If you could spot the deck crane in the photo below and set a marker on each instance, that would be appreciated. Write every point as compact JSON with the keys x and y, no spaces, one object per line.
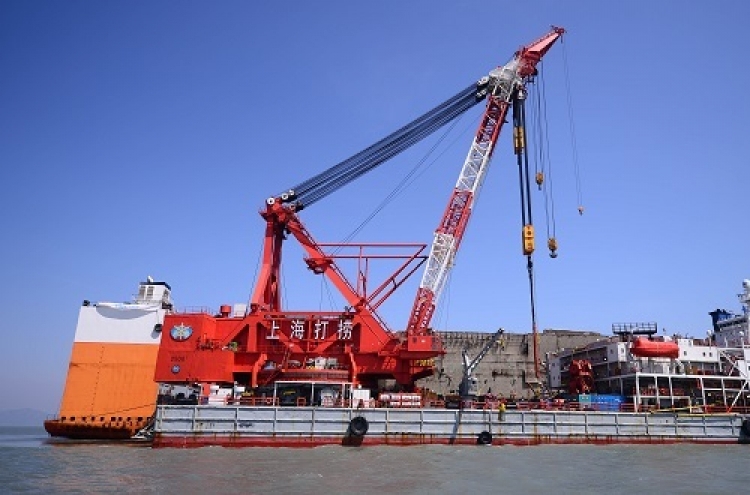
{"x":469,"y":387}
{"x":269,"y":343}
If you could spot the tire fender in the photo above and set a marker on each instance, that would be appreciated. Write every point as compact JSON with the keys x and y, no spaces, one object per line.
{"x":484,"y":438}
{"x":358,"y":426}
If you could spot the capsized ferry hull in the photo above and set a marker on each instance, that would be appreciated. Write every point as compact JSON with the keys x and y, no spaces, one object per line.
{"x":110,"y":393}
{"x":64,"y":429}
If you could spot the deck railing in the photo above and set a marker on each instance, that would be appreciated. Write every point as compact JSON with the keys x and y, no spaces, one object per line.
{"x":543,"y":405}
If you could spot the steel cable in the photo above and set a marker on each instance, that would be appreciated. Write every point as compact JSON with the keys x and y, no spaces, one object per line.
{"x":324,"y":176}
{"x":383,"y":154}
{"x":365,"y":161}
{"x":353,"y":167}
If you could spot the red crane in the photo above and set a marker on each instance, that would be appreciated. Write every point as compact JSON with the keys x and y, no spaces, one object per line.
{"x":268,"y":342}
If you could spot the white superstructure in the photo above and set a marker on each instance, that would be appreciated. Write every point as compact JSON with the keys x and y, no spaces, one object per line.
{"x":711,"y":373}
{"x":137,"y":322}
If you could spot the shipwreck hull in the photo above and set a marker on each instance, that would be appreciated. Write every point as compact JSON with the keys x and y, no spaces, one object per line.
{"x":79,"y":431}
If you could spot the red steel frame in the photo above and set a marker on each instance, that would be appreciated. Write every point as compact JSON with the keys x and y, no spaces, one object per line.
{"x":356,"y":339}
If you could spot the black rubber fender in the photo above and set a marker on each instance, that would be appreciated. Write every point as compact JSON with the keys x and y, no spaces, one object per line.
{"x":745,"y":428}
{"x":484,"y":438}
{"x":358,"y":426}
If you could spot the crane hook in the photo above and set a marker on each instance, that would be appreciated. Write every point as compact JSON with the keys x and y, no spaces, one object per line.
{"x":580,"y":210}
{"x":552,"y":245}
{"x":539,"y":179}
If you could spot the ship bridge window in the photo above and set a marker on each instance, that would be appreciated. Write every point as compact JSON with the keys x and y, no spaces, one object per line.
{"x":150,"y":292}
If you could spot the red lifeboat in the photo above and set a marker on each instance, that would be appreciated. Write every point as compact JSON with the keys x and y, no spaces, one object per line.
{"x":642,"y":347}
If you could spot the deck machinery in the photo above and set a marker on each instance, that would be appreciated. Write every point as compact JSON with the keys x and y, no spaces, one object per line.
{"x":264,"y":342}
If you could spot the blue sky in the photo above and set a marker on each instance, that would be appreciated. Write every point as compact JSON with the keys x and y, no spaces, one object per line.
{"x":141,"y":138}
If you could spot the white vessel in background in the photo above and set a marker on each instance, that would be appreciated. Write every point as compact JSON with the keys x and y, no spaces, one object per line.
{"x":650,"y":372}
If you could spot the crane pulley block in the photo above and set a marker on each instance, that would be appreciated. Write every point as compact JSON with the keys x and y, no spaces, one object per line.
{"x":528,"y":239}
{"x":519,"y":139}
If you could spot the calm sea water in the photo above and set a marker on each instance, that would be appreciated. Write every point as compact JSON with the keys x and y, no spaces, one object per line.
{"x":31,"y":464}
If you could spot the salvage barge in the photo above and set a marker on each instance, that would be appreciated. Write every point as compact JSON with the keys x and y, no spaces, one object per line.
{"x":622,"y":389}
{"x":701,"y":396}
{"x":259,"y":373}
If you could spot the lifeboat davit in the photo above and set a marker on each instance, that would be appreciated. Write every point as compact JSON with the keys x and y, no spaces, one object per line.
{"x":642,"y":347}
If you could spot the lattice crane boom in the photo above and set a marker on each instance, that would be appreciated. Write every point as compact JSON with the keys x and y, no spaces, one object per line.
{"x":502,"y":84}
